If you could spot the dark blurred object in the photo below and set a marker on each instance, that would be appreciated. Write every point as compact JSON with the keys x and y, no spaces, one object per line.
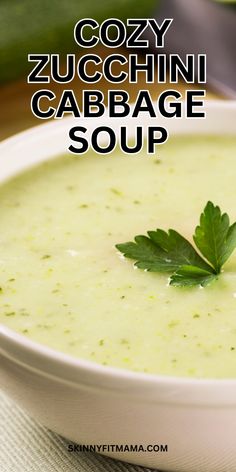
{"x":46,"y":26}
{"x":204,"y":27}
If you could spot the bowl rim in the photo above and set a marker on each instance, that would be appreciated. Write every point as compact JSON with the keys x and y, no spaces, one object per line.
{"x":50,"y":362}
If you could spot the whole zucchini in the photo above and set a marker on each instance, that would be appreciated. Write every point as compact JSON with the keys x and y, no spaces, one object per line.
{"x":46,"y":26}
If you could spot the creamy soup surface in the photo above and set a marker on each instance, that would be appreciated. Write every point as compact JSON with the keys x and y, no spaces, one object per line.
{"x":64,"y":284}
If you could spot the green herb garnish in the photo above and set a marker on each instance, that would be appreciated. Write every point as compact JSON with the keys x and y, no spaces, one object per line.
{"x":170,"y":252}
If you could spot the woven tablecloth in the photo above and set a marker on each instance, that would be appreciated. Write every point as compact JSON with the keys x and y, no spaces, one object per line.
{"x":26,"y":446}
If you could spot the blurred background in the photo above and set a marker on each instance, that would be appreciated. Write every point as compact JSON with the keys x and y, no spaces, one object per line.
{"x":46,"y":26}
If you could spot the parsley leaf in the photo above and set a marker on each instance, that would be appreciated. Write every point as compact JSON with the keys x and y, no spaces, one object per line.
{"x":169,"y":252}
{"x":188,"y":276}
{"x":214,"y":237}
{"x":162,"y":252}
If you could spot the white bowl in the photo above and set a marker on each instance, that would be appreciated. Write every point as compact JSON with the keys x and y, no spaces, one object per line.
{"x":92,"y":404}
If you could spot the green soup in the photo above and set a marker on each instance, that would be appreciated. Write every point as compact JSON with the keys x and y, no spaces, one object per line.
{"x":64,"y":284}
